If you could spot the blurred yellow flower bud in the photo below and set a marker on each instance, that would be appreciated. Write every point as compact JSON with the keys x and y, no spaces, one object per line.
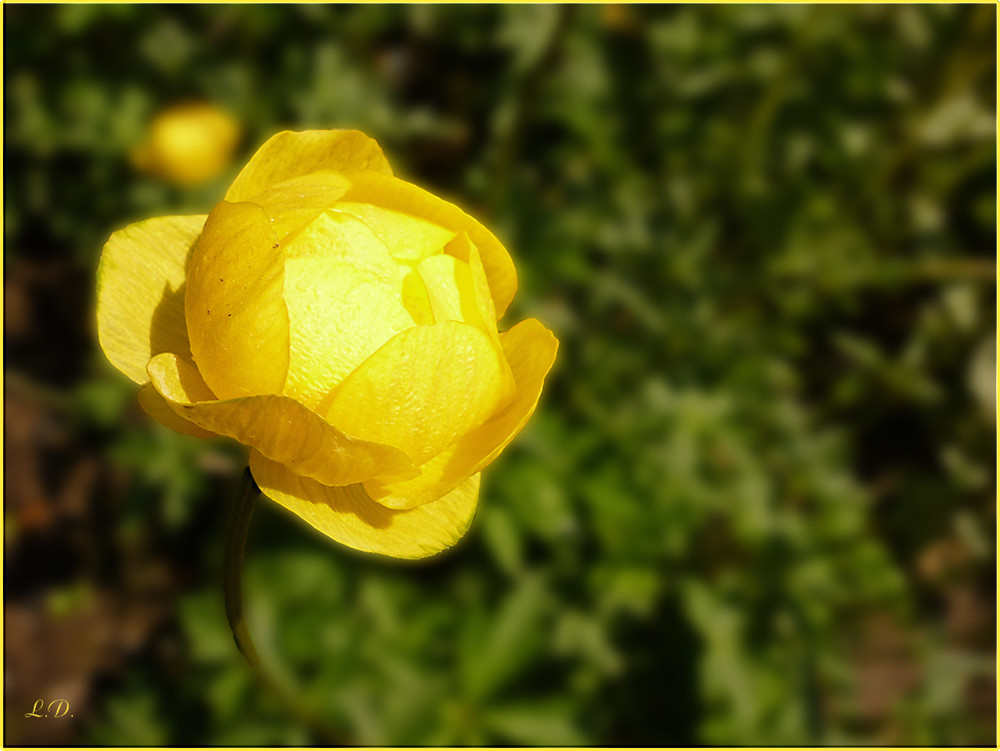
{"x":188,"y":144}
{"x":340,"y":322}
{"x":617,"y":17}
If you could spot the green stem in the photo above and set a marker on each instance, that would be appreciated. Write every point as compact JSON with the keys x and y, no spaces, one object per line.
{"x":236,"y":543}
{"x":232,"y":571}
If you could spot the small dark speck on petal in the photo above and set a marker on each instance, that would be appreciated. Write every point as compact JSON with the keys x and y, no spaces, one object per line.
{"x":209,"y":312}
{"x":275,"y":245}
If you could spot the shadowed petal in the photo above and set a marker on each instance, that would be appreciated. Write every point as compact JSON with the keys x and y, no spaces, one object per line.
{"x":279,"y":427}
{"x":154,"y":405}
{"x":347,"y":515}
{"x":140,"y":291}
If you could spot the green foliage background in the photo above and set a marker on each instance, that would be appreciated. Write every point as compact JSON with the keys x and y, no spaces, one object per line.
{"x":757,"y":504}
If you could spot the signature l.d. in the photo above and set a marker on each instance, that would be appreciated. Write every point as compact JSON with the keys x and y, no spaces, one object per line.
{"x":56,"y":708}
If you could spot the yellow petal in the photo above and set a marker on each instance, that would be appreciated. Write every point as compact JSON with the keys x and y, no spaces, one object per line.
{"x":140,"y":291}
{"x":450,"y":290}
{"x":235,"y":310}
{"x":289,"y":154}
{"x":343,"y":295}
{"x":454,"y":295}
{"x":346,"y":240}
{"x":422,"y":390}
{"x":415,"y":299}
{"x":156,"y":407}
{"x":279,"y":427}
{"x":407,"y":237}
{"x":530,"y":349}
{"x":463,"y":249}
{"x":391,"y":193}
{"x":348,"y":516}
{"x":294,"y":203}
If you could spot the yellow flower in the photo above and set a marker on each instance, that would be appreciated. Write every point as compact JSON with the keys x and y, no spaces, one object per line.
{"x":188,"y":144}
{"x":342,"y":324}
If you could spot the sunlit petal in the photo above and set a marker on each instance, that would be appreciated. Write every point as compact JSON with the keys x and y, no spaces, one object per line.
{"x":530,"y":349}
{"x":425,"y":388}
{"x":289,"y":154}
{"x":234,"y":306}
{"x":391,"y":193}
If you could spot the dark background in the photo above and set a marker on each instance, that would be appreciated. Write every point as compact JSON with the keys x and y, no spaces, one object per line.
{"x":757,"y":503}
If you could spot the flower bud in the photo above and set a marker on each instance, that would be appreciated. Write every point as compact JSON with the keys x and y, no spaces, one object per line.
{"x":188,"y":144}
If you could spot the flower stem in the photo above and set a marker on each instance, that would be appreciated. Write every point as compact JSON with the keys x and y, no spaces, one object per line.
{"x":232,"y":566}
{"x":236,"y":543}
